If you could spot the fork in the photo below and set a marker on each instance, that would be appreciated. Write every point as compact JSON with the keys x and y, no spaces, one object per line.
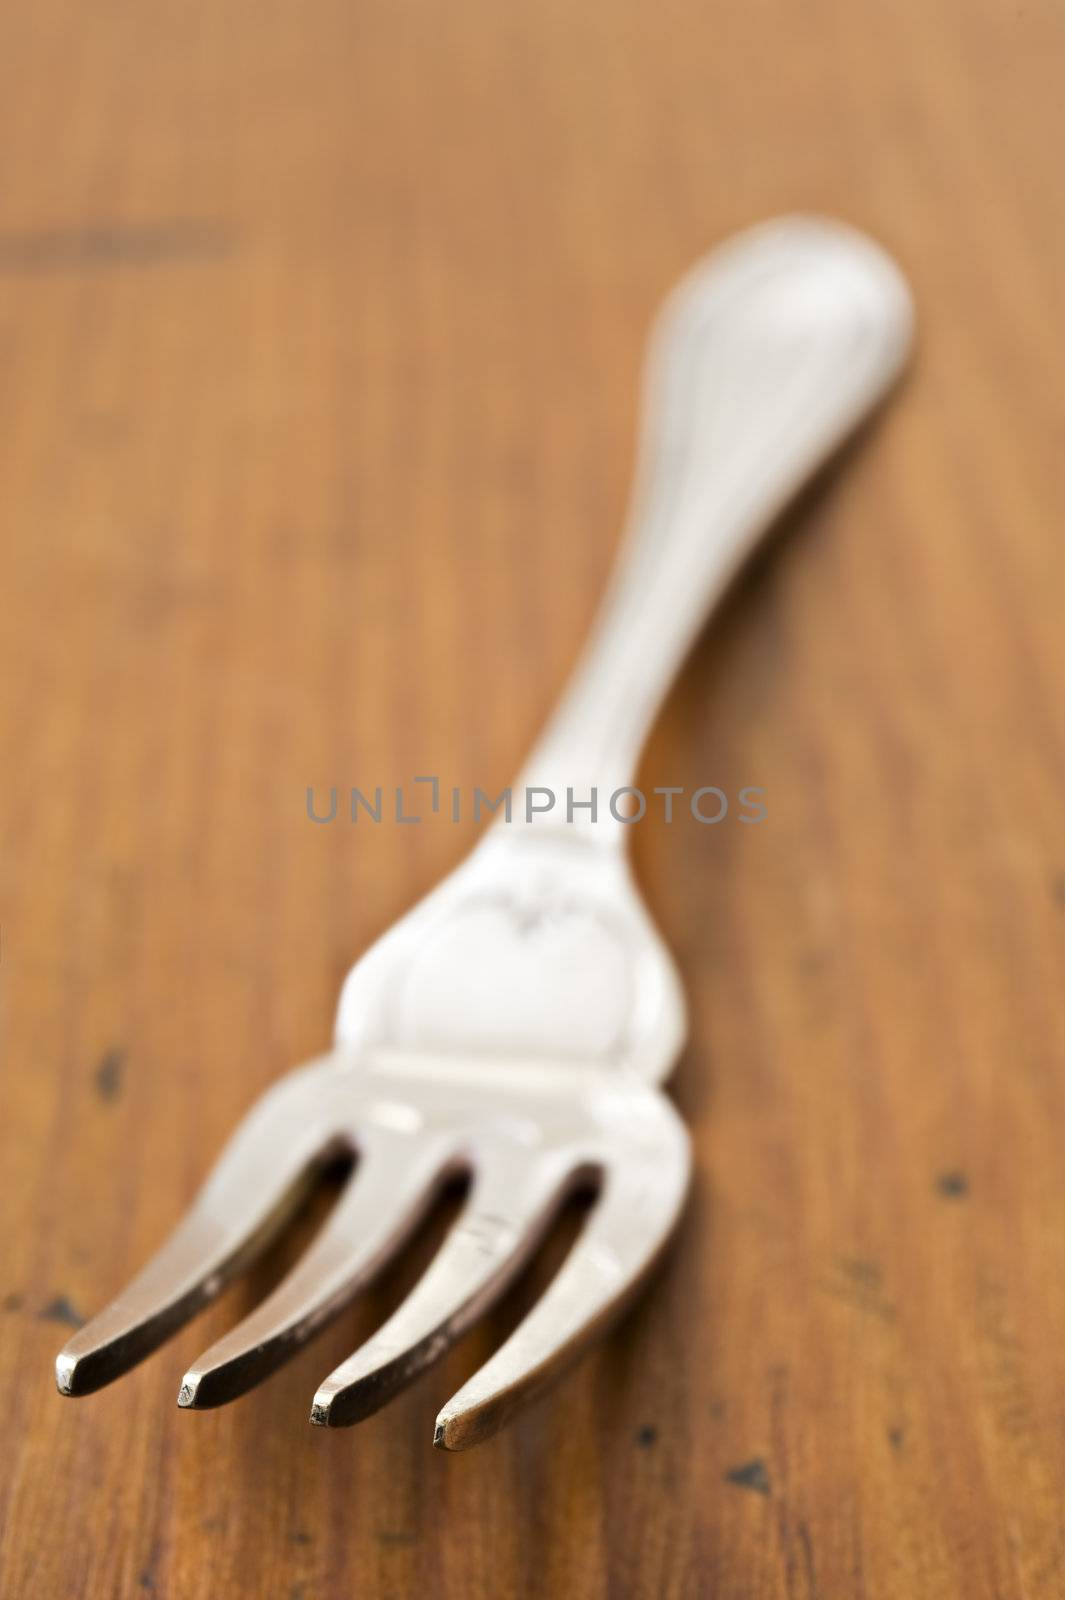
{"x":515,"y":1026}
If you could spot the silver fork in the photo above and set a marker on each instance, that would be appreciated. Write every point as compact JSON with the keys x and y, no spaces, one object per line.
{"x":516,"y":1024}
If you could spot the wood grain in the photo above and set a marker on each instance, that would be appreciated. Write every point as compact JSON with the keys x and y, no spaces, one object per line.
{"x":320,"y":329}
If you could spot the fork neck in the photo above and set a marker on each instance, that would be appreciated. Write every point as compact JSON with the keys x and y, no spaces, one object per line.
{"x":765,"y":360}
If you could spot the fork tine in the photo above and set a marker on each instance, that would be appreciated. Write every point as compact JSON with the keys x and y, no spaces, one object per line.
{"x":509,"y":1209}
{"x":627,"y":1229}
{"x":258,"y":1181}
{"x":384,"y":1200}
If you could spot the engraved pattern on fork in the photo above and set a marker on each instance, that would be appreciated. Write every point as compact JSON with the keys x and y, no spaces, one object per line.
{"x":515,"y":1025}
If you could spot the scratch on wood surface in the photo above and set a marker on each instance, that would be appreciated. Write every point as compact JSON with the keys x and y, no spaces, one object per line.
{"x":110,"y":1073}
{"x":99,"y":246}
{"x":857,"y":1283}
{"x":61,"y":1309}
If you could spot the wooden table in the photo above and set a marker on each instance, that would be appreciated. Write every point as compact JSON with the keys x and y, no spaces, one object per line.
{"x":320,"y":329}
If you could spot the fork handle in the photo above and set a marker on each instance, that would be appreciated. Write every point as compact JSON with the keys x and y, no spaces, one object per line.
{"x":764,"y":360}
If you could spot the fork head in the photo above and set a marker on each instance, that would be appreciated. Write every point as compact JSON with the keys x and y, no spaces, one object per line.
{"x":511,"y":1027}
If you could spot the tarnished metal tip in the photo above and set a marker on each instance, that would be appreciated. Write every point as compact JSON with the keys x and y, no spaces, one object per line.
{"x":65,"y":1368}
{"x":82,"y":1366}
{"x":342,"y":1404}
{"x":188,"y":1393}
{"x":455,"y":1430}
{"x":203,"y":1388}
